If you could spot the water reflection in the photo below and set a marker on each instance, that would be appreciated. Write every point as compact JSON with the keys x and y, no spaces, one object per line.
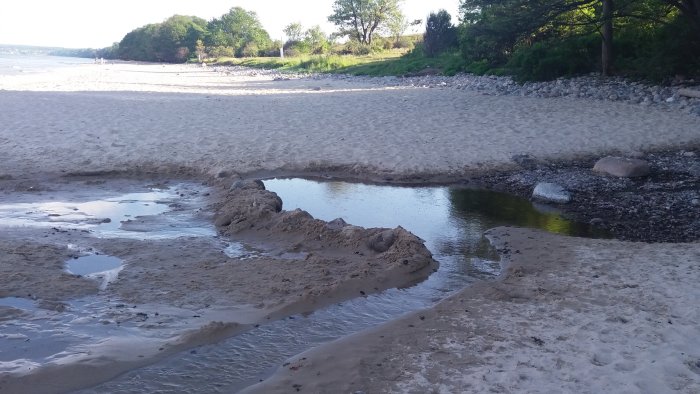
{"x":479,"y":206}
{"x":450,"y":220}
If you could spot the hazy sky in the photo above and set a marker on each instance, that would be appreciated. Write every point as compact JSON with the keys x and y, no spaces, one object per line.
{"x":97,"y":23}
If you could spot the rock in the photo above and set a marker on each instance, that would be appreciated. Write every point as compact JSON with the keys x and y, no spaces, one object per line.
{"x":336,"y":224}
{"x":596,"y":222}
{"x":689,"y":93}
{"x":551,"y":192}
{"x":242,"y":184}
{"x":694,"y":110}
{"x":689,"y":154}
{"x":695,"y":202}
{"x":525,"y":161}
{"x":382,"y":241}
{"x":622,"y":167}
{"x":694,"y":170}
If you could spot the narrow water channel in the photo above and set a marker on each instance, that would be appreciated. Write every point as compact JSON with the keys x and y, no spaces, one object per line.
{"x":450,"y":220}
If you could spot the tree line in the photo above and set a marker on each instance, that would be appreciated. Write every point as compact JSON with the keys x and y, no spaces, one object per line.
{"x":179,"y":38}
{"x":530,"y":39}
{"x":545,"y":39}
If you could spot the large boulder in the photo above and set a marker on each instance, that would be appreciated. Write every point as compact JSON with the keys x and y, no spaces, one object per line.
{"x":551,"y":192}
{"x":622,"y":167}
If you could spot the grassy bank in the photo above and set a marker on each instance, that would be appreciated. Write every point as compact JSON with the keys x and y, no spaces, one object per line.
{"x":382,"y":64}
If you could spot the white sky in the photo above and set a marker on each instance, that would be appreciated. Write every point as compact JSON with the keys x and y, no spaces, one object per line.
{"x":98,"y":23}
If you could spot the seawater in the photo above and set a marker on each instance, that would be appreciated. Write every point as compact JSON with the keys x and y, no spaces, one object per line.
{"x":15,"y":64}
{"x":451,"y":220}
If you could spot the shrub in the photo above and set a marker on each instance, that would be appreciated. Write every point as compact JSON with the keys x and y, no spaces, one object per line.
{"x":250,"y":49}
{"x":658,"y":53}
{"x":220,"y":51}
{"x":549,"y":60}
{"x":440,"y":35}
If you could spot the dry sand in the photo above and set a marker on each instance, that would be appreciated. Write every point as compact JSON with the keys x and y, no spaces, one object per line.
{"x":175,"y":118}
{"x":577,"y":315}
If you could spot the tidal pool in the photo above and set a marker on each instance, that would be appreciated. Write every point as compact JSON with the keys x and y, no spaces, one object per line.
{"x":451,"y":220}
{"x":155,"y":213}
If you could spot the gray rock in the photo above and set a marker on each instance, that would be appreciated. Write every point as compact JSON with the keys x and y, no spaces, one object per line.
{"x":622,"y":167}
{"x":551,"y":192}
{"x":695,"y":202}
{"x":248,"y":184}
{"x":382,"y":241}
{"x":694,"y":169}
{"x":597,"y":222}
{"x":336,"y":224}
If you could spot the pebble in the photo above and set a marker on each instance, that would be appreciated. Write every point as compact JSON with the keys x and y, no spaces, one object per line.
{"x":551,"y":192}
{"x":591,"y":86}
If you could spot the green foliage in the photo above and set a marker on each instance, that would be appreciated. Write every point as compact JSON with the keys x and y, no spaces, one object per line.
{"x":238,"y":29}
{"x":440,"y":35}
{"x":658,"y":54}
{"x":179,"y":37}
{"x":359,"y":19}
{"x":545,"y":39}
{"x":549,"y":60}
{"x":170,"y":41}
{"x":385,"y":63}
{"x":294,"y":31}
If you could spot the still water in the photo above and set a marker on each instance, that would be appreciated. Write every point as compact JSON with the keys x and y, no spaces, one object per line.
{"x":450,"y":220}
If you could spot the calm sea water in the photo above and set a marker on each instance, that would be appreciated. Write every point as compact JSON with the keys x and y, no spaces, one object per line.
{"x":15,"y":64}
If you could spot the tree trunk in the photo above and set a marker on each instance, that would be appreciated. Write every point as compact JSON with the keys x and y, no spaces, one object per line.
{"x":607,"y":45}
{"x":607,"y":54}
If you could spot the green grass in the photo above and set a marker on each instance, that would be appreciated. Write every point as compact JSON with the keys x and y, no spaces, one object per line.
{"x":381,"y":64}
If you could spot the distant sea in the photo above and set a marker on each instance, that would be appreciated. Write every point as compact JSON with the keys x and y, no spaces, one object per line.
{"x":14,"y":64}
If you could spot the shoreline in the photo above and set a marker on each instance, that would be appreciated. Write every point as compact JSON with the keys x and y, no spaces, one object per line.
{"x":169,"y":122}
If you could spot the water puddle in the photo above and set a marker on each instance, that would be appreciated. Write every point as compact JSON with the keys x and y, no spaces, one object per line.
{"x":93,"y":264}
{"x":32,"y":333}
{"x":450,"y":220}
{"x":18,"y":303}
{"x":157,"y":213}
{"x":97,"y":266}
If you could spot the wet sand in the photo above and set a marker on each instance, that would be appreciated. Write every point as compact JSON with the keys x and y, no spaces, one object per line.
{"x":173,"y":121}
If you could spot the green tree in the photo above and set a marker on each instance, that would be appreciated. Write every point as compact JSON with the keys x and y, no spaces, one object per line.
{"x":316,"y":39}
{"x":440,"y":34}
{"x":360,"y":19}
{"x":238,"y":29}
{"x":170,"y":41}
{"x":177,"y":37}
{"x":294,"y":31}
{"x":138,"y":44}
{"x":551,"y":37}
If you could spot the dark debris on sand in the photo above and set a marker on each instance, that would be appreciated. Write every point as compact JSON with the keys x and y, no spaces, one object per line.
{"x":661,"y":207}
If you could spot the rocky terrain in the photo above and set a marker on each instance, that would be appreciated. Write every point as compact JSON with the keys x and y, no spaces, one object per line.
{"x":663,"y":206}
{"x":592,"y":86}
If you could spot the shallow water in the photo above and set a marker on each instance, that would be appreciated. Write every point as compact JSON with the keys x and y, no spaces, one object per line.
{"x":450,"y":220}
{"x":50,"y":332}
{"x":150,"y":214}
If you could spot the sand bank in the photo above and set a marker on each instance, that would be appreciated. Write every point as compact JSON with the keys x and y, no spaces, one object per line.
{"x":564,"y":298}
{"x":175,"y":294}
{"x":567,"y":315}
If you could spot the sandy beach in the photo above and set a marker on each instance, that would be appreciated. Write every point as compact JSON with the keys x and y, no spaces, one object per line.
{"x":566,"y":314}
